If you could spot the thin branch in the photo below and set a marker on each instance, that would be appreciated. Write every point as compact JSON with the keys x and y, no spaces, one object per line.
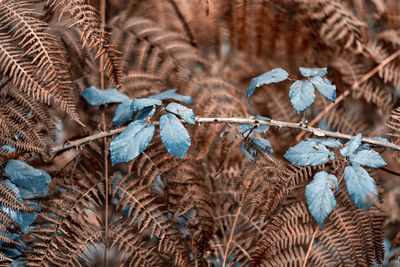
{"x":310,"y":247}
{"x":348,"y":91}
{"x":281,"y":124}
{"x":231,"y":235}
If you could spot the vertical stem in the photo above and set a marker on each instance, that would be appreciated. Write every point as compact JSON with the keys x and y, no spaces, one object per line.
{"x":103,"y":22}
{"x":231,"y":235}
{"x":310,"y":247}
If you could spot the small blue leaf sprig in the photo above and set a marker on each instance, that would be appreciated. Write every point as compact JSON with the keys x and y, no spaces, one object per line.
{"x":311,"y":152}
{"x":317,"y":151}
{"x":302,"y":93}
{"x":360,"y":185}
{"x":140,"y":132}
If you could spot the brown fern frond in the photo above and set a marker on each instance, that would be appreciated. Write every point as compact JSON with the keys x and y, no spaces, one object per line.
{"x":142,"y":84}
{"x":16,"y":135}
{"x":376,"y":95}
{"x":341,"y":242}
{"x":65,"y":223}
{"x":394,"y":124}
{"x":10,"y":202}
{"x":396,"y":241}
{"x":133,"y":251}
{"x":92,"y":36}
{"x":146,"y":213}
{"x":36,"y":67}
{"x":172,"y":45}
{"x":38,"y":111}
{"x":337,"y":23}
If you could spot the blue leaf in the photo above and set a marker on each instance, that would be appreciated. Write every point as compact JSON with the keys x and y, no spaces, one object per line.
{"x":325,"y":87}
{"x":369,"y":158}
{"x":273,"y":76}
{"x":308,"y":72}
{"x":131,"y":142}
{"x":182,"y":111}
{"x":262,"y":143}
{"x":249,"y":155}
{"x":96,"y":97}
{"x":309,"y":153}
{"x":330,"y":142}
{"x":319,"y":196}
{"x":301,"y":95}
{"x":146,"y":112}
{"x":141,"y":103}
{"x":361,"y":186}
{"x":174,"y":135}
{"x":123,"y":113}
{"x":170,"y":94}
{"x":30,"y":181}
{"x":351,"y":146}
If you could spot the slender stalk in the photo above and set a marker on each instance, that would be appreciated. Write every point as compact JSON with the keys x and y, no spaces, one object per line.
{"x":101,"y":67}
{"x":231,"y":235}
{"x":348,"y":91}
{"x":310,"y":247}
{"x":273,"y":123}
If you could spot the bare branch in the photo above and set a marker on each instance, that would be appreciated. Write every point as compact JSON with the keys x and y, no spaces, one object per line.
{"x":282,"y":124}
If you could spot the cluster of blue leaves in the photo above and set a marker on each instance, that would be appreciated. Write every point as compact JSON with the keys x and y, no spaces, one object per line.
{"x":27,"y":183}
{"x":313,"y":152}
{"x":360,"y":185}
{"x":139,"y":133}
{"x":302,"y":93}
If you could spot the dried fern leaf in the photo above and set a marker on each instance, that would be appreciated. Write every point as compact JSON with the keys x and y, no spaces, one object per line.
{"x":85,"y":15}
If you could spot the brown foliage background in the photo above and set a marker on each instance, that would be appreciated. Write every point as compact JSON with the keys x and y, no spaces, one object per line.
{"x":212,"y":208}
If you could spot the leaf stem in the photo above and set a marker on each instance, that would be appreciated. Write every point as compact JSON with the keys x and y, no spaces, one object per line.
{"x":273,"y":123}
